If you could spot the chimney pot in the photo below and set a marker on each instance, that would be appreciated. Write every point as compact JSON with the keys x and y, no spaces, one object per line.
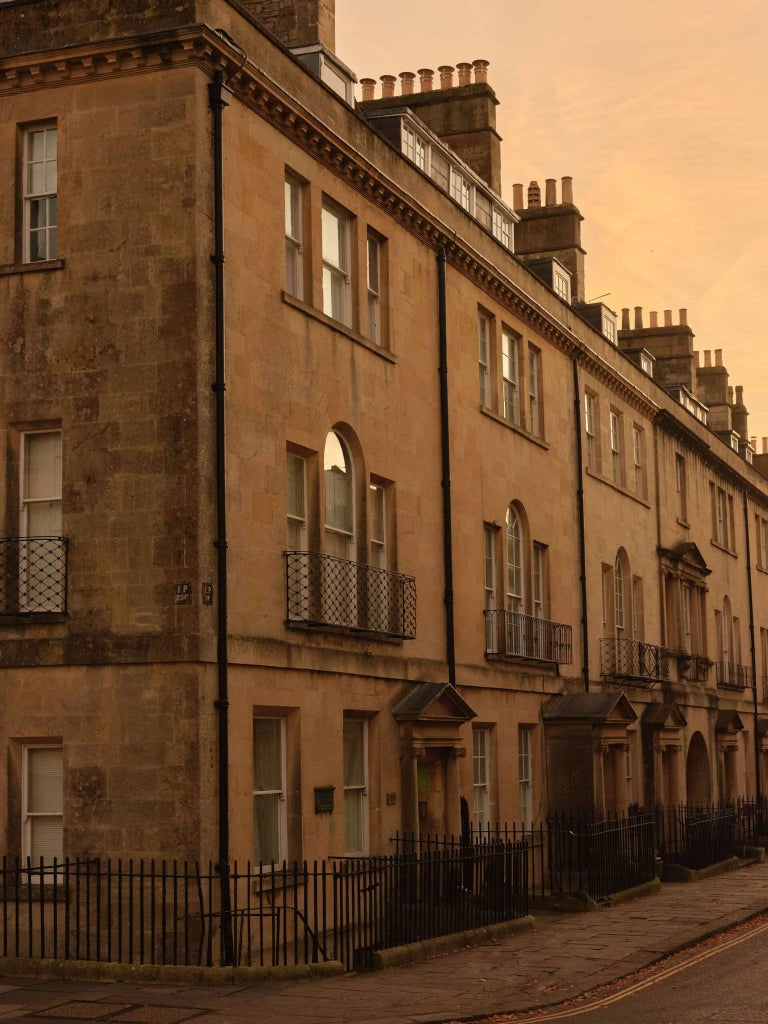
{"x":729,"y":395}
{"x":696,"y":360}
{"x":654,"y":319}
{"x":707,"y":357}
{"x":369,"y":87}
{"x":446,"y":76}
{"x":517,"y":196}
{"x":625,"y":318}
{"x":765,"y":446}
{"x":464,"y":69}
{"x":638,"y":318}
{"x":481,"y":70}
{"x":739,"y":394}
{"x":718,"y":357}
{"x":667,"y":317}
{"x":683,"y":317}
{"x":550,"y":192}
{"x":426,"y":75}
{"x":534,"y":194}
{"x":566,"y":184}
{"x":407,"y":79}
{"x":387,"y":86}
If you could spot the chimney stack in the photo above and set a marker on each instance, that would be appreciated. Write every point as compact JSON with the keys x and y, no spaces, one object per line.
{"x":297,"y":24}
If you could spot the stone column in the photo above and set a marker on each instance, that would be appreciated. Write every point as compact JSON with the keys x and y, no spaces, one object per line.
{"x":452,"y":793}
{"x":598,"y":777}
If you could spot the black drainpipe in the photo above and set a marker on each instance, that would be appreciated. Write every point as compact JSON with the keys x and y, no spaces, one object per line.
{"x":446,"y":466}
{"x":218,"y":99}
{"x":582,"y":530}
{"x":752,"y":648}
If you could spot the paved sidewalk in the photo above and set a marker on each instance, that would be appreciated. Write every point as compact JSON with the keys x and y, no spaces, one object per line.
{"x":562,"y":957}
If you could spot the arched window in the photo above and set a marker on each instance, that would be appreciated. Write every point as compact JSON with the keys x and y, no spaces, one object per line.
{"x":515,"y":567}
{"x":339,"y":498}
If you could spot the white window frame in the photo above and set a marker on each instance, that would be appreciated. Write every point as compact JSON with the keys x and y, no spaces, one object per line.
{"x":501,"y":227}
{"x":539,"y":580}
{"x":614,"y":425}
{"x":589,"y":429}
{"x":29,"y":592}
{"x":297,"y":516}
{"x":337,"y":276}
{"x":525,"y":773}
{"x":510,"y":376}
{"x":619,"y":598}
{"x":462,"y":190}
{"x":489,"y":563}
{"x":481,"y":795}
{"x":294,"y":248}
{"x":357,"y":790}
{"x":561,"y":284}
{"x":282,"y":822}
{"x":373,"y":257}
{"x":515,"y":562}
{"x":609,"y":328}
{"x":721,"y":517}
{"x":638,"y":460}
{"x":46,"y":197}
{"x":27,"y":816}
{"x":484,"y":358}
{"x":377,"y":495}
{"x":415,"y":147}
{"x":534,"y":391}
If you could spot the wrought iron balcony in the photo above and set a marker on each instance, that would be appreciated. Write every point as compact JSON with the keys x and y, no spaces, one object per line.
{"x":694,"y":667}
{"x":633,"y":660}
{"x":324,"y":591}
{"x":515,"y":635}
{"x":33,"y":575}
{"x":731,"y":676}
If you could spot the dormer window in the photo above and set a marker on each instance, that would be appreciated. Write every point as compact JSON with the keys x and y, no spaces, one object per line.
{"x":502,"y":228}
{"x":609,"y":328}
{"x":462,"y":190}
{"x":415,"y":148}
{"x":561,"y":283}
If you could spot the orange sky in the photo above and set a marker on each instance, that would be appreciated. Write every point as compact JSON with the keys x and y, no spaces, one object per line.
{"x":659,"y":111}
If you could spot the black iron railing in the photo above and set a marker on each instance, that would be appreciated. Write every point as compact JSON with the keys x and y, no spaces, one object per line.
{"x":158,"y":912}
{"x":33,"y":575}
{"x":696,"y":836}
{"x":621,"y":658}
{"x":731,"y":676}
{"x":515,"y":635}
{"x":600,"y":857}
{"x":694,"y":667}
{"x":325,"y":591}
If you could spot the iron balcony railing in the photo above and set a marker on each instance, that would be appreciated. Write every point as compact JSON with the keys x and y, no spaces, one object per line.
{"x":33,"y":575}
{"x":731,"y":676}
{"x":694,"y":667}
{"x":515,"y":635}
{"x":621,"y":658}
{"x":324,"y":591}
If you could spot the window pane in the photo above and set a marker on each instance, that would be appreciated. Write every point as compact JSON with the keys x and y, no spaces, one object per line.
{"x":353,"y":820}
{"x":45,"y":781}
{"x":354,"y":752}
{"x":267,"y":755}
{"x":266,"y":827}
{"x":338,"y":485}
{"x":334,"y":238}
{"x":47,"y":839}
{"x":296,"y":499}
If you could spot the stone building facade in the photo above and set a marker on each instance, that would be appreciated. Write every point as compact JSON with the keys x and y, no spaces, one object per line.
{"x":328,"y":500}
